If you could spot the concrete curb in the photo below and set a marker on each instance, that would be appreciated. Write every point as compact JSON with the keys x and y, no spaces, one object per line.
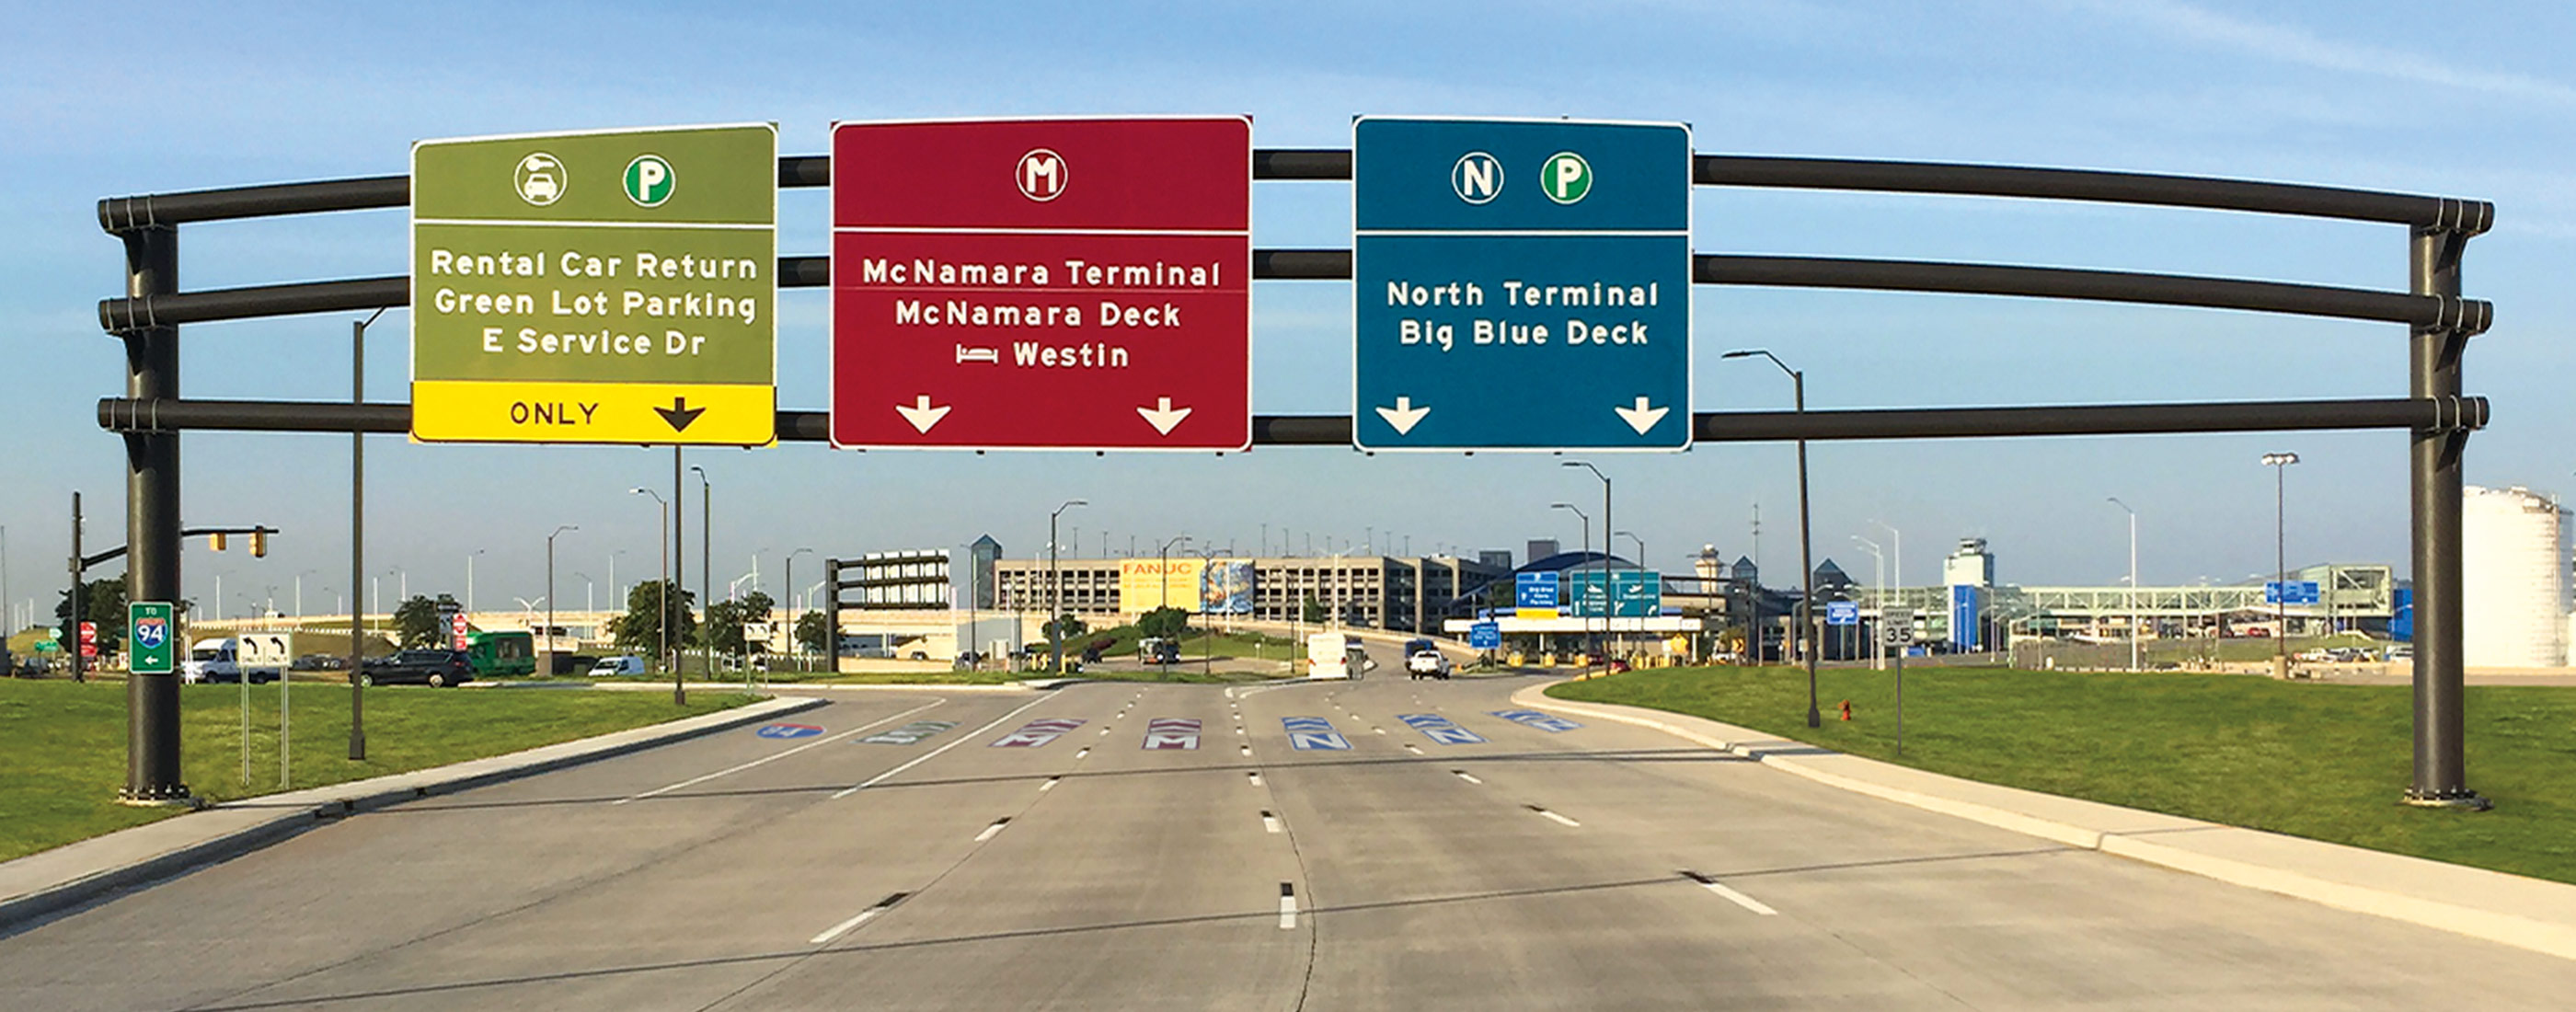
{"x":2526,"y":913}
{"x":813,"y":687}
{"x":40,"y":885}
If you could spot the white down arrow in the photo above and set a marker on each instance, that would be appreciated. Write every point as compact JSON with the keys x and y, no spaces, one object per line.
{"x":921,"y":414}
{"x":1641,"y":417}
{"x":1403,"y":416}
{"x":1163,"y":415}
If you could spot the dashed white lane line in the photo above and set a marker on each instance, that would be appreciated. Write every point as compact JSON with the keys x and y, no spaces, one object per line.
{"x":1553,"y":816}
{"x":1082,"y":754}
{"x":1256,"y":778}
{"x":773,"y":757}
{"x":1269,"y":822}
{"x":1413,"y":748}
{"x":864,"y":916}
{"x":1049,"y":785}
{"x":1287,"y":905}
{"x":992,"y":831}
{"x":1247,"y":750}
{"x":1466,"y":776}
{"x":1737,"y":898}
{"x":934,"y":753}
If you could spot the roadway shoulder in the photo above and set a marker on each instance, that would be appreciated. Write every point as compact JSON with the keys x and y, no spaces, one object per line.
{"x":2527,"y":913}
{"x":40,"y":885}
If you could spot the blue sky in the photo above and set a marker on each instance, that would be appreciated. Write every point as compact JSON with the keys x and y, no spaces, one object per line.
{"x":2475,"y":103}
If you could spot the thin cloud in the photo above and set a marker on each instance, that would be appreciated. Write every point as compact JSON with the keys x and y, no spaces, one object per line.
{"x":2298,"y":45}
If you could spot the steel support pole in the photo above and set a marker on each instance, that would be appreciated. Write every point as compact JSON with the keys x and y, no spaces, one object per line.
{"x":1806,"y":563}
{"x":357,"y":542}
{"x":672,"y":566}
{"x":152,"y":518}
{"x":2441,"y":774}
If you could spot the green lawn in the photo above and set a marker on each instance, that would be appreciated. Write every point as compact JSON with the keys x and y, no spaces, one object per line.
{"x":2322,"y":761}
{"x":63,"y":743}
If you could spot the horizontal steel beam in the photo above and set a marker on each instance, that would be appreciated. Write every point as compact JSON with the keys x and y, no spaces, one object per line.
{"x":124,"y":214}
{"x":2468,"y":316}
{"x":173,"y":415}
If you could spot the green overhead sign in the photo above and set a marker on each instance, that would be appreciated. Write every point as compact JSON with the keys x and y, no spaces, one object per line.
{"x":605,"y":287}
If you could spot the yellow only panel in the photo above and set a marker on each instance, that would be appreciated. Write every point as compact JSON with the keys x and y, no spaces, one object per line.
{"x":494,"y":411}
{"x":1534,"y":613}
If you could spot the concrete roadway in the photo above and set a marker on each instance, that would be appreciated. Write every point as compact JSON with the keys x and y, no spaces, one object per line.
{"x":1531,"y":869}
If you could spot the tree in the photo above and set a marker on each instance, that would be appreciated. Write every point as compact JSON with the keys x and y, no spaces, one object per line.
{"x":417,"y":623}
{"x":103,"y":603}
{"x":1167,"y":622}
{"x":1313,"y":610}
{"x":813,"y":632}
{"x":648,"y":612}
{"x":1066,"y":627}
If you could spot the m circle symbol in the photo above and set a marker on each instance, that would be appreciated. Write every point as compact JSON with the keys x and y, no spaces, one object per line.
{"x":649,"y":180}
{"x":1566,"y":177}
{"x":1477,"y":178}
{"x":1041,"y":175}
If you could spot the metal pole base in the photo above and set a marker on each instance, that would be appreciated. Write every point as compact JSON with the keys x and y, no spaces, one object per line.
{"x":2463,"y":800}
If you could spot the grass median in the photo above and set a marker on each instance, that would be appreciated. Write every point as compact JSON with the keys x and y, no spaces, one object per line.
{"x":63,"y":743}
{"x":2327,"y":762}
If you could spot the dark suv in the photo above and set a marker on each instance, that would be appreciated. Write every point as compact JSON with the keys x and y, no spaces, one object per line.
{"x":425,"y":667}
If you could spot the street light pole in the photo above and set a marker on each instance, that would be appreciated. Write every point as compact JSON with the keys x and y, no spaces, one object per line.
{"x":1609,"y":575}
{"x":1055,"y":589}
{"x":1807,"y":630}
{"x":1657,"y":606}
{"x":706,"y":559}
{"x":2280,"y":465}
{"x":1587,"y":531}
{"x":550,"y":596}
{"x":662,"y":602}
{"x":2133,"y":581}
{"x":357,"y":537}
{"x":1878,"y":644}
{"x":788,"y":578}
{"x":1163,"y":588}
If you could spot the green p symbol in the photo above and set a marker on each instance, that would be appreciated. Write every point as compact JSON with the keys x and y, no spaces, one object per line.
{"x":648,"y":180}
{"x":1566,"y":177}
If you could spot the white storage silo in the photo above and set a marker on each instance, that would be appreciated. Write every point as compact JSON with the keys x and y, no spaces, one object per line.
{"x":2514,"y":598}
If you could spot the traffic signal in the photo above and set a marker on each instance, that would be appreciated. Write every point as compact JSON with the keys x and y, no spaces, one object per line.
{"x":259,"y":544}
{"x":215,"y":541}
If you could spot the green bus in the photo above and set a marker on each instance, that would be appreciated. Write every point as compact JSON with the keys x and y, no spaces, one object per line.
{"x":502,"y":652}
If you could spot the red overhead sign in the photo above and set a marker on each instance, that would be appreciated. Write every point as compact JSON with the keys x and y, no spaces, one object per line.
{"x":1043,"y":284}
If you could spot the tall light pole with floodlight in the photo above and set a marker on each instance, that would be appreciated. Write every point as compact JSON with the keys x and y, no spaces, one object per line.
{"x":1807,"y":630}
{"x":1055,"y":588}
{"x":1608,"y":575}
{"x":2280,"y":465}
{"x":1587,"y":534}
{"x":550,"y":596}
{"x":2133,"y":581}
{"x":662,"y":602}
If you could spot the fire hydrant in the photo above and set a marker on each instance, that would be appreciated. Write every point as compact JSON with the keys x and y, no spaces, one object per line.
{"x":1847,"y":709}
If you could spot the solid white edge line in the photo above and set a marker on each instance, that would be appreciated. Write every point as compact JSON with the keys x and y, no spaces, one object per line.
{"x":1741,"y":900}
{"x":934,"y":753}
{"x":779,"y":755}
{"x":844,"y":927}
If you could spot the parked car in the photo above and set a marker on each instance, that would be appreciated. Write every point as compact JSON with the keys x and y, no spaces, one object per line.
{"x":618,"y":666}
{"x":425,"y":667}
{"x":320,"y":662}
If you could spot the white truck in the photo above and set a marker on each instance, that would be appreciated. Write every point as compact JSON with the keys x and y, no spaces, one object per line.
{"x":216,"y":660}
{"x":1336,"y":655}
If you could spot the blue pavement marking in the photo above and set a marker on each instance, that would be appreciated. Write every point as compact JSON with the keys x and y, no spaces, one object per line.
{"x":1310,"y":733}
{"x":1541,"y":721}
{"x":788,"y":731}
{"x":1440,"y":729}
{"x":908,"y":734}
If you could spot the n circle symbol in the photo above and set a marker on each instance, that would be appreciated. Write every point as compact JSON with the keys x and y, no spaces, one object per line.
{"x":1477,"y":178}
{"x":1041,"y":175}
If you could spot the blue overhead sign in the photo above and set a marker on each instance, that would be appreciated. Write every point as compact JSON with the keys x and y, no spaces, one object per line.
{"x":1520,"y":284}
{"x":2301,"y":592}
{"x":1534,"y":590}
{"x":1842,"y":613}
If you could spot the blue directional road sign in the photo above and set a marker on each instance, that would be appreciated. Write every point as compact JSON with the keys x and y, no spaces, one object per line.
{"x":1534,"y":590}
{"x":1520,"y":284}
{"x":1485,"y":636}
{"x":1842,"y":613}
{"x":2300,"y":592}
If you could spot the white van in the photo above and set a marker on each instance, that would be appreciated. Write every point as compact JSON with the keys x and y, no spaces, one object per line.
{"x":1336,"y":655}
{"x":621,"y":665}
{"x":216,"y":660}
